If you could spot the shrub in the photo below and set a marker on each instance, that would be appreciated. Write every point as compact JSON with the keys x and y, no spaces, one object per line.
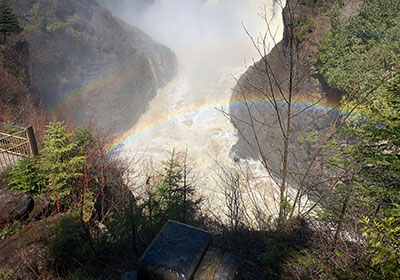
{"x":306,"y":26}
{"x":383,"y":243}
{"x":70,"y":246}
{"x":313,"y":3}
{"x":10,"y":230}
{"x":61,"y":162}
{"x":24,"y":177}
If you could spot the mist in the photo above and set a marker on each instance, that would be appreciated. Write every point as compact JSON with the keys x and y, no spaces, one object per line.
{"x":210,"y":29}
{"x":211,"y":46}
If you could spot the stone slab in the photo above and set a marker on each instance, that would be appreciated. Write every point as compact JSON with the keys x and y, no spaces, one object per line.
{"x":174,"y":254}
{"x":228,"y":268}
{"x":129,"y":276}
{"x":209,"y":264}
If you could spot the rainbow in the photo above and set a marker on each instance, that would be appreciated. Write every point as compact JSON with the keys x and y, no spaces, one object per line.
{"x":69,"y":95}
{"x":106,"y":78}
{"x":100,"y":83}
{"x":159,"y":122}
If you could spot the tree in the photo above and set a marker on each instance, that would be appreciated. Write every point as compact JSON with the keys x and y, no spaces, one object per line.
{"x":383,"y":243}
{"x":362,"y":49}
{"x":284,"y":128}
{"x":175,"y":188}
{"x":8,"y":20}
{"x":277,"y":126}
{"x":62,"y":162}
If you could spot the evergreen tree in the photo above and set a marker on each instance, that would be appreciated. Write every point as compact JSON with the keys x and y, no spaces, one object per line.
{"x":175,"y":189}
{"x":62,"y":162}
{"x":8,"y":20}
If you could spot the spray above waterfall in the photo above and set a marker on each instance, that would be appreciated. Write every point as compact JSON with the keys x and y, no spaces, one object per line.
{"x":200,"y":26}
{"x":211,"y":46}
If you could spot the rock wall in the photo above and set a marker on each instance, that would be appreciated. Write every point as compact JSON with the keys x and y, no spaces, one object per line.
{"x":89,"y":66}
{"x":312,"y":102}
{"x":271,"y":74}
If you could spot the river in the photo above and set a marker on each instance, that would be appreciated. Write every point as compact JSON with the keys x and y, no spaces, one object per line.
{"x":212,"y":48}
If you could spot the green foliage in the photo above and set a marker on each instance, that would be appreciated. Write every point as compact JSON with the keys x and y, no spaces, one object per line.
{"x":371,"y":188}
{"x":313,"y":3}
{"x":8,"y":20}
{"x":174,"y":192}
{"x":372,"y":159}
{"x":378,"y":177}
{"x":25,"y":177}
{"x":22,"y":77}
{"x":70,"y":245}
{"x":309,"y":138}
{"x":305,"y":26}
{"x":61,"y":161}
{"x":6,"y":275}
{"x":63,"y":170}
{"x":10,"y":230}
{"x":357,"y":53}
{"x":44,"y":19}
{"x":383,"y":243}
{"x":274,"y":257}
{"x":169,"y":194}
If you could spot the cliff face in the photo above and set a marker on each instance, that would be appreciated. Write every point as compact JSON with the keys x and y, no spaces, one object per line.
{"x":88,"y":65}
{"x":271,"y":74}
{"x":123,"y":7}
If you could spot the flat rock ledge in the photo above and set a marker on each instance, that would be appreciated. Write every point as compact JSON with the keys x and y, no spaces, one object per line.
{"x":181,"y":252}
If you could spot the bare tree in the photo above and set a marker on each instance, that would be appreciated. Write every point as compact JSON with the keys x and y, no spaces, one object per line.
{"x":281,"y":125}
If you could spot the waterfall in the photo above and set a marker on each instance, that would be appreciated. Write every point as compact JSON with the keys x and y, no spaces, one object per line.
{"x":212,"y":48}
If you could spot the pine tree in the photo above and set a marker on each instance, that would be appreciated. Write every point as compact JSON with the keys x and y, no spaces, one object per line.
{"x":62,"y":162}
{"x":175,"y":189}
{"x":8,"y":20}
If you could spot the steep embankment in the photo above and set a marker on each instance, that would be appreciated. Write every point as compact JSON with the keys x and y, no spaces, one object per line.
{"x":271,"y":74}
{"x":131,"y":8}
{"x":89,"y":66}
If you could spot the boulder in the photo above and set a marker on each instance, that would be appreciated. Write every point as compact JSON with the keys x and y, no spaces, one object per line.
{"x":175,"y":253}
{"x":40,"y":205}
{"x":14,"y":205}
{"x":228,"y":269}
{"x":130,"y":276}
{"x":209,"y":264}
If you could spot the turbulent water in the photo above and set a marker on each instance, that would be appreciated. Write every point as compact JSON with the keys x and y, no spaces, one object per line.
{"x":212,"y":48}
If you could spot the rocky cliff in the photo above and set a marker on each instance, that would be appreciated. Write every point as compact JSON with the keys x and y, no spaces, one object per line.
{"x":89,"y":66}
{"x":305,"y":24}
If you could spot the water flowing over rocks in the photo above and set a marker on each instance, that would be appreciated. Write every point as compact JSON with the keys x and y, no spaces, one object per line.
{"x":211,"y":47}
{"x":313,"y":103}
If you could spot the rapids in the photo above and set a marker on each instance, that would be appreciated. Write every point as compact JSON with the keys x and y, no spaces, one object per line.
{"x":212,"y":48}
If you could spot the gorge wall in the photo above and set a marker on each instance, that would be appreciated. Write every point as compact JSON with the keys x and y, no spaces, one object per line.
{"x":262,"y":120}
{"x":89,"y":66}
{"x":271,"y":74}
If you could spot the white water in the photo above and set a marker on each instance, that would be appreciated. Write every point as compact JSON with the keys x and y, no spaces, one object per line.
{"x":211,"y":45}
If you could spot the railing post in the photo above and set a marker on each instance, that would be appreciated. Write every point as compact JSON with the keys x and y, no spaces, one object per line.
{"x":32,"y":141}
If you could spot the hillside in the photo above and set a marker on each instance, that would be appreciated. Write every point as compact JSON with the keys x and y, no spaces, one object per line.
{"x":87,"y":65}
{"x":311,"y":24}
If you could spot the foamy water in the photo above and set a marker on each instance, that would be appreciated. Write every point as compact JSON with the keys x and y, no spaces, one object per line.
{"x":212,"y":48}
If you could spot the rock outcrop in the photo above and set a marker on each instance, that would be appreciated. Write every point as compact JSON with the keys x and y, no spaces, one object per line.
{"x":88,"y":65}
{"x":13,"y":205}
{"x":310,"y":24}
{"x":133,"y":8}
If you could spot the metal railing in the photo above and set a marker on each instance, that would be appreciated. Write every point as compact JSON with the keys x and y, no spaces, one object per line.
{"x":15,"y":143}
